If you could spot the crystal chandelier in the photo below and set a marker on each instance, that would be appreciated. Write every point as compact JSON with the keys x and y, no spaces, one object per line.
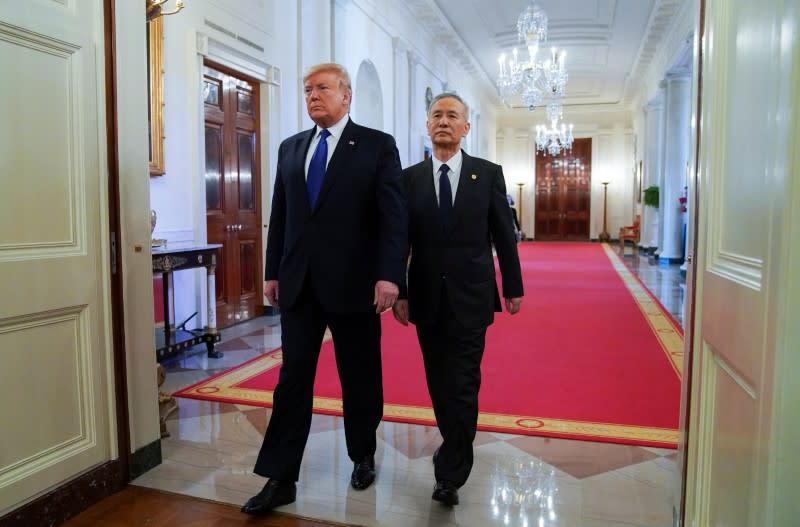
{"x":554,"y":139}
{"x":533,"y":79}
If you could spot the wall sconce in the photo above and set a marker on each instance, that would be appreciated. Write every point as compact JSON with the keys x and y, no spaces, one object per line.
{"x":155,"y":8}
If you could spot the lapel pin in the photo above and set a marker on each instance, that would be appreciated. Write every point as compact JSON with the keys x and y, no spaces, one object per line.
{"x":474,"y":177}
{"x":352,"y":143}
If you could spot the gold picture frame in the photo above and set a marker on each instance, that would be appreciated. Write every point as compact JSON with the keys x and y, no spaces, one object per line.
{"x":155,"y":74}
{"x":639,"y":176}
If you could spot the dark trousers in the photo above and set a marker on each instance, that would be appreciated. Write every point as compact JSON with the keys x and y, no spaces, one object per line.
{"x":356,"y":339}
{"x":452,"y":356}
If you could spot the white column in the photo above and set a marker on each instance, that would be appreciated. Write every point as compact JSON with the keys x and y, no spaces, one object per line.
{"x":402,"y":90}
{"x":416,"y":106}
{"x":653,"y":145}
{"x":676,"y":154}
{"x":316,"y":39}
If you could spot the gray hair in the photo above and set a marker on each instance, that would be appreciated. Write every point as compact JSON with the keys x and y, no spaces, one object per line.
{"x":341,"y":71}
{"x":450,"y":95}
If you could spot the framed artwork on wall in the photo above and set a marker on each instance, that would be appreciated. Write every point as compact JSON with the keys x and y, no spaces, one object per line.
{"x":639,"y":182}
{"x":428,"y":99}
{"x":155,"y":94}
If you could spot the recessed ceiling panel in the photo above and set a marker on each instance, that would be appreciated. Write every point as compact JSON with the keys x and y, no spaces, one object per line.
{"x":602,"y":38}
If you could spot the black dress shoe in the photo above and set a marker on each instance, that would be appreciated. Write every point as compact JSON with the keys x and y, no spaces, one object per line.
{"x":363,"y":473}
{"x":274,"y":494}
{"x":445,"y":492}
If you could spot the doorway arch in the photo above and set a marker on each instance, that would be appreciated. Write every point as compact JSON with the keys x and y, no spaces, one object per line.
{"x":368,"y":96}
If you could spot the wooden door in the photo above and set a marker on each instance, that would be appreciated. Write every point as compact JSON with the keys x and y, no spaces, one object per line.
{"x":563,"y":194}
{"x":232,"y":182}
{"x":56,"y":367}
{"x":743,"y":466}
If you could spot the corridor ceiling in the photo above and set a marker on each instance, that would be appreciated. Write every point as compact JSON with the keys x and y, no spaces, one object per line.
{"x":609,"y":43}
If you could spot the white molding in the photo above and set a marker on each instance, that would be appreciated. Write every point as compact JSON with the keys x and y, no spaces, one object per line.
{"x":671,"y":23}
{"x":219,"y":52}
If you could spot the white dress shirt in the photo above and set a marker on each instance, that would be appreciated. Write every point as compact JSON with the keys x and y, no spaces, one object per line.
{"x":333,"y":140}
{"x":455,"y":172}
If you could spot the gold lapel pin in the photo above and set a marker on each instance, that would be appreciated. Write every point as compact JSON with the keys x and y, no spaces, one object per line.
{"x":474,"y":177}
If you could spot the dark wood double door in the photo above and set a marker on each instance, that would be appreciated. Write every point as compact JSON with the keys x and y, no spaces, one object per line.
{"x":233,"y":192}
{"x":563,"y":194}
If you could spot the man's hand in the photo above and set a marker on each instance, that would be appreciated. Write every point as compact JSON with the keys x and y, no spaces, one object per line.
{"x":400,"y":311}
{"x":271,"y":291}
{"x":513,"y":305}
{"x":385,"y":295}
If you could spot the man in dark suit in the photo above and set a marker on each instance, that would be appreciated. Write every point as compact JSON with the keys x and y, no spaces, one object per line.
{"x":457,"y":212}
{"x":336,"y":254}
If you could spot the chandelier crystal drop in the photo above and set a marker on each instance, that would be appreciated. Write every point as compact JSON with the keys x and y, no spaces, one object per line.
{"x":556,"y":138}
{"x":532,"y":24}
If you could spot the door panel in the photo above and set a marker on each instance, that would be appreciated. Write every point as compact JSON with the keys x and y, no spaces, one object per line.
{"x":54,"y":340}
{"x":563,"y":194}
{"x":215,"y":190}
{"x":246,"y":146}
{"x":233,"y":211}
{"x":738,"y":469}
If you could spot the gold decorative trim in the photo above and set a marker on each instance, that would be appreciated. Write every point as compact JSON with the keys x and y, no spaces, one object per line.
{"x":155,"y":55}
{"x":167,"y":263}
{"x":670,"y":338}
{"x":225,"y":388}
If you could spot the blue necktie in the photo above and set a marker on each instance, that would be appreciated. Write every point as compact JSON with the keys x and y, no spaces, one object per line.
{"x":445,"y":196}
{"x":316,"y":168}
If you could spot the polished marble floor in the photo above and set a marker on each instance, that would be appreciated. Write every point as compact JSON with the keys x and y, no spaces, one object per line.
{"x":517,"y":480}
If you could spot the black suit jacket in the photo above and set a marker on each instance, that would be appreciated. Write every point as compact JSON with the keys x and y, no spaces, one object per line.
{"x":357,"y":232}
{"x":460,"y":258}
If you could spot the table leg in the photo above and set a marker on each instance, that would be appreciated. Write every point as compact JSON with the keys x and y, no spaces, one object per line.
{"x":212,"y":310}
{"x":166,"y":283}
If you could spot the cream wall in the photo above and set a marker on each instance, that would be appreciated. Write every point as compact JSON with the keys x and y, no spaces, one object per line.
{"x":408,"y":61}
{"x":356,"y":39}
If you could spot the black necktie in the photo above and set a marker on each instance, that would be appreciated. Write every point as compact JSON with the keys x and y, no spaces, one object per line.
{"x":316,"y":168}
{"x":445,"y":196}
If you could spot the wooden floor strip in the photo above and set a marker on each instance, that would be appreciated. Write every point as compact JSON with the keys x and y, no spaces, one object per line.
{"x":137,"y":506}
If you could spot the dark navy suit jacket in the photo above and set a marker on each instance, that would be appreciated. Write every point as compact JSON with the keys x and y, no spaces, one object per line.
{"x":357,"y":232}
{"x":460,"y":258}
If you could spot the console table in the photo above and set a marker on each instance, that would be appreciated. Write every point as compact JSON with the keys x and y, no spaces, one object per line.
{"x":176,"y":257}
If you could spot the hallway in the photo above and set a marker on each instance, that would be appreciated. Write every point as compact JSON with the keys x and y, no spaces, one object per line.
{"x":212,"y":448}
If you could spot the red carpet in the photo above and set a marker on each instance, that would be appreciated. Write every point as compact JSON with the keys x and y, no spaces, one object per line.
{"x":591,"y":355}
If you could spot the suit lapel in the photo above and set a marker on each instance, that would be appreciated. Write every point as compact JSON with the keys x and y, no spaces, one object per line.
{"x":345,"y":148}
{"x":297,"y":168}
